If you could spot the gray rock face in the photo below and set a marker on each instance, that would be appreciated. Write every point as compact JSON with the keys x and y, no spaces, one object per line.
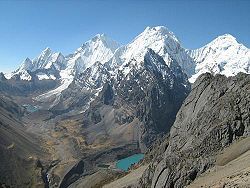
{"x":215,"y":114}
{"x":108,"y":94}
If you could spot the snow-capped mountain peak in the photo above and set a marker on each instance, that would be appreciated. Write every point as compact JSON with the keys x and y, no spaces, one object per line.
{"x":224,"y":39}
{"x":98,"y":41}
{"x":46,"y":52}
{"x":47,"y":65}
{"x":224,"y":55}
{"x":157,"y":38}
{"x":108,"y":42}
{"x":159,"y":31}
{"x":223,"y":42}
{"x":100,"y":48}
{"x":43,"y":59}
{"x":161,"y":41}
{"x":26,"y":64}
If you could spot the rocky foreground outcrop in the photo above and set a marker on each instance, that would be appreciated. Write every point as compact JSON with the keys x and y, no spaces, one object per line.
{"x":215,"y":115}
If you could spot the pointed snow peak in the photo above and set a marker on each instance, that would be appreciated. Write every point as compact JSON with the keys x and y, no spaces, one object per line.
{"x":99,"y":41}
{"x":159,"y":32}
{"x":224,"y":55}
{"x":159,"y":39}
{"x":223,"y":41}
{"x":26,"y":65}
{"x":27,"y":60}
{"x":100,"y":48}
{"x":161,"y":29}
{"x":227,"y":36}
{"x":98,"y":38}
{"x":45,"y":53}
{"x":47,"y":50}
{"x":105,"y":40}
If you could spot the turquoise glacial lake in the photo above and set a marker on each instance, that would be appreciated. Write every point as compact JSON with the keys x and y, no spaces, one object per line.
{"x":125,"y":163}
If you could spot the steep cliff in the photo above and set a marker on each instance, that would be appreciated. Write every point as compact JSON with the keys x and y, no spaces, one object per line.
{"x":214,"y":116}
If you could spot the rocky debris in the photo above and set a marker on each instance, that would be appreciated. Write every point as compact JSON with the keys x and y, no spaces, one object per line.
{"x":214,"y":115}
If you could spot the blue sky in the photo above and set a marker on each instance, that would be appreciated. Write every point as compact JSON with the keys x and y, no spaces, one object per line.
{"x":27,"y":27}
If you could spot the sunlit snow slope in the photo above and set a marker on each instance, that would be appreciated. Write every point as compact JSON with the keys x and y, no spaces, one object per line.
{"x":224,"y":55}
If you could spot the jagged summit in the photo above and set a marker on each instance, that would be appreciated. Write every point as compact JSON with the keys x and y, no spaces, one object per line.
{"x":99,"y":48}
{"x":46,"y":61}
{"x":46,"y":50}
{"x":102,"y":40}
{"x":26,"y":64}
{"x":100,"y":36}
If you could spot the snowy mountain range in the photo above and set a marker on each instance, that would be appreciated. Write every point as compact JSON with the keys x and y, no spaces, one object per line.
{"x":224,"y":55}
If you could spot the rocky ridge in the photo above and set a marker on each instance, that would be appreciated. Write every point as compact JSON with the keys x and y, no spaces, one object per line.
{"x":213,"y":116}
